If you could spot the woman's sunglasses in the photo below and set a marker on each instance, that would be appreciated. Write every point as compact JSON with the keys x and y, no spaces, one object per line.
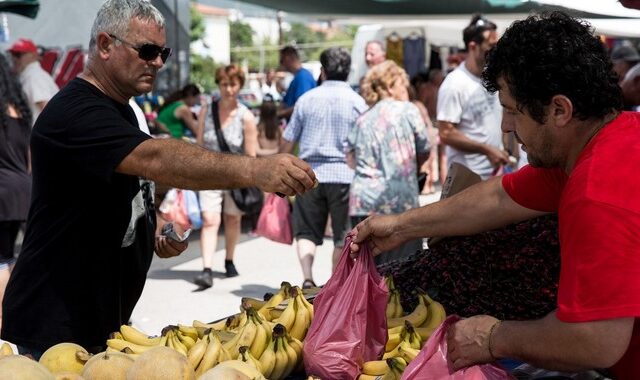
{"x":147,"y":52}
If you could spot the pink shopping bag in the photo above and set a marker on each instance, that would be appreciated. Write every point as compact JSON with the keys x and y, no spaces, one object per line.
{"x":274,"y":222}
{"x":349,"y":326}
{"x":432,"y":363}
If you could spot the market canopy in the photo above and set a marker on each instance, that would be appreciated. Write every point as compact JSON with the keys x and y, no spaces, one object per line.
{"x":28,"y":8}
{"x":584,"y":8}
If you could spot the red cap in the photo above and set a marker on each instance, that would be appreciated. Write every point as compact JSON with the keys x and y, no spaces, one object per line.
{"x":23,"y":45}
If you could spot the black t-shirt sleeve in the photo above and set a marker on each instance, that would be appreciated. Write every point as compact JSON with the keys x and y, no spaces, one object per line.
{"x":101,"y":138}
{"x":85,"y":133}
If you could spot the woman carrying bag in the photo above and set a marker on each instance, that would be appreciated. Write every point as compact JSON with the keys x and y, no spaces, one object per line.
{"x":238,"y":126}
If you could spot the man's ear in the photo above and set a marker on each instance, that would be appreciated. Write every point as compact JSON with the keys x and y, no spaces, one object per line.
{"x":104,"y":45}
{"x":560,"y":110}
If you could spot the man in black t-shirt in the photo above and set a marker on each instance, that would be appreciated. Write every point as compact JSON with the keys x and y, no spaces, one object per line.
{"x":90,"y":230}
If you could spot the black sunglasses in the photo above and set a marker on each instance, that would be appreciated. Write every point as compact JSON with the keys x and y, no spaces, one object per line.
{"x":147,"y":52}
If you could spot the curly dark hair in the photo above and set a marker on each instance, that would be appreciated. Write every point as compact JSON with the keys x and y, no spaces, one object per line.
{"x":11,"y":94}
{"x":550,"y":54}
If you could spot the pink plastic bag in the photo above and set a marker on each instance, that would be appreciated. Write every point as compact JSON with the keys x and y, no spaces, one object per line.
{"x":349,"y":326}
{"x":274,"y":221}
{"x":432,"y":364}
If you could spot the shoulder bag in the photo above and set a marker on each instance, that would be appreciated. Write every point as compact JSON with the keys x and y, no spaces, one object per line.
{"x":249,"y":199}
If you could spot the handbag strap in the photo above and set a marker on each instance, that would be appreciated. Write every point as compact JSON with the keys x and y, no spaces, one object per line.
{"x":215,"y":115}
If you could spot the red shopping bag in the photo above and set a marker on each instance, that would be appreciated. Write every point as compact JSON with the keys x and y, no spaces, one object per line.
{"x":432,"y":364}
{"x":174,"y":208}
{"x":274,"y":221}
{"x":349,"y":326}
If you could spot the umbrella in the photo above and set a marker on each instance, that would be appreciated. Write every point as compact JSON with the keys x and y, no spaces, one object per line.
{"x":28,"y":8}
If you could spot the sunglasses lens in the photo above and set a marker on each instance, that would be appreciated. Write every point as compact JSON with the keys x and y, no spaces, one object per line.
{"x":149,"y":52}
{"x":164,"y":54}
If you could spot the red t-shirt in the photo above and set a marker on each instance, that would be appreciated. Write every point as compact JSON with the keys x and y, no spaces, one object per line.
{"x":598,"y":208}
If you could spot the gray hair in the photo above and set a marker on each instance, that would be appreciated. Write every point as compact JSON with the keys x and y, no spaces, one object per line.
{"x":115,"y":15}
{"x":336,"y":62}
{"x":375,"y":42}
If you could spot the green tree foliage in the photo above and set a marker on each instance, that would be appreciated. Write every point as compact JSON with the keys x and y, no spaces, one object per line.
{"x":197,"y":24}
{"x":202,"y":72}
{"x":241,"y":34}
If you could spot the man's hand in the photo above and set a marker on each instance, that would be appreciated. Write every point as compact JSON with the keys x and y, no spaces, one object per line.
{"x":166,"y":247}
{"x":497,"y":156}
{"x":283,"y":173}
{"x":380,"y":230}
{"x":468,"y":341}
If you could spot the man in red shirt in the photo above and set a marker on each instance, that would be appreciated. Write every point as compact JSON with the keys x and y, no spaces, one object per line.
{"x":562,"y":101}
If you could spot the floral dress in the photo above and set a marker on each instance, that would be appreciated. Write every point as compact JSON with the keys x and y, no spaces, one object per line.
{"x":385,"y":141}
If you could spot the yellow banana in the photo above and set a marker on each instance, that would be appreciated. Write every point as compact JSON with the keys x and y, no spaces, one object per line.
{"x":189,"y":331}
{"x":282,"y":361}
{"x":302,"y":321}
{"x":261,"y":338}
{"x":306,"y":303}
{"x":120,"y":344}
{"x":245,"y":337}
{"x":288,"y":316}
{"x":417,"y":316}
{"x":399,"y":309}
{"x":411,"y":336}
{"x":220,"y":325}
{"x":395,"y":330}
{"x":375,"y":367}
{"x":116,"y":335}
{"x":268,"y":359}
{"x":247,"y":357}
{"x":186,"y":340}
{"x":436,"y":313}
{"x":138,"y":337}
{"x":210,"y":357}
{"x":195,"y":354}
{"x":240,"y":366}
{"x":224,"y":355}
{"x":255,"y":303}
{"x":178,"y":345}
{"x":396,"y":368}
{"x":389,"y":281}
{"x":391,"y":310}
{"x":408,"y":353}
{"x":6,"y":349}
{"x":237,"y":323}
{"x":392,"y":342}
{"x":297,"y":347}
{"x":275,"y":300}
{"x":425,"y":333}
{"x":292,"y":357}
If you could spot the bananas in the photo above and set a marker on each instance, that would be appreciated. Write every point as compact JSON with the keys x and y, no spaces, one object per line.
{"x":436,"y":313}
{"x":375,"y":367}
{"x":238,"y":365}
{"x":394,"y":307}
{"x":275,"y":300}
{"x":283,"y":355}
{"x":245,"y":356}
{"x":132,"y":335}
{"x":417,"y":316}
{"x":396,"y":368}
{"x":297,"y":316}
{"x":213,"y":354}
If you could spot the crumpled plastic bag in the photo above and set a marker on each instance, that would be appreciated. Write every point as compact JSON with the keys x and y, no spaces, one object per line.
{"x":432,"y":362}
{"x":274,"y":222}
{"x":349,"y":326}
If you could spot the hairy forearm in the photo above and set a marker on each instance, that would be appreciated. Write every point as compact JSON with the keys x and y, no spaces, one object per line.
{"x":481,"y":207}
{"x":179,"y":164}
{"x":551,"y":344}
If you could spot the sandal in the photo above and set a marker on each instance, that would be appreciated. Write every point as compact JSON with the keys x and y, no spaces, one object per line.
{"x":307,"y":284}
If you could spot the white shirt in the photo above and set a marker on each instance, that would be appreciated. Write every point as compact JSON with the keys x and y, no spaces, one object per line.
{"x":462,"y":100}
{"x":38,"y":86}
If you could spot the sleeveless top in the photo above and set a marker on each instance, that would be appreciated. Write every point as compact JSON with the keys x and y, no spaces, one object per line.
{"x":233,"y":132}
{"x":168,"y":118}
{"x":15,"y":181}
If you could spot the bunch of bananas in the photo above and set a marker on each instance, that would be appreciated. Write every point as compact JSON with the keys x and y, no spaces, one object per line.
{"x":134,"y":342}
{"x":283,"y":355}
{"x":297,"y":316}
{"x":255,"y":334}
{"x":407,"y":334}
{"x":388,"y":369}
{"x":207,"y":353}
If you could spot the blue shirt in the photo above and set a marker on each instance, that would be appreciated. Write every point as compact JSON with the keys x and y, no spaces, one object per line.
{"x":321,"y":120}
{"x":302,"y":82}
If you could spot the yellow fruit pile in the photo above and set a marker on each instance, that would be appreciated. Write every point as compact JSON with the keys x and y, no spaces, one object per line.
{"x":407,"y":334}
